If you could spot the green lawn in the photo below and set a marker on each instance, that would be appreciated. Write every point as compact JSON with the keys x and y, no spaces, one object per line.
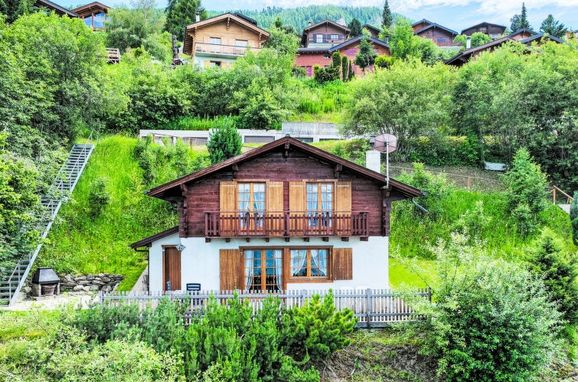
{"x":78,"y":244}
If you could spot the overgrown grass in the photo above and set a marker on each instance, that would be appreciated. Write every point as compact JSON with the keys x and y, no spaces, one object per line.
{"x":78,"y":244}
{"x":412,"y":235}
{"x":321,"y":102}
{"x":198,"y":123}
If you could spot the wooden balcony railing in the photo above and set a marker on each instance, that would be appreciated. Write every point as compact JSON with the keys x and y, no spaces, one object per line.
{"x":285,"y":224}
{"x":227,"y":50}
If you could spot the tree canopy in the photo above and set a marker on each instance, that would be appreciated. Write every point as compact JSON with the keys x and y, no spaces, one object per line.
{"x":180,"y":13}
{"x":355,"y":28}
{"x":553,"y":27}
{"x":386,"y":16}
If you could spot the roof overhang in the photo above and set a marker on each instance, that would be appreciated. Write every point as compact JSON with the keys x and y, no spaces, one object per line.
{"x":230,"y":16}
{"x":168,"y":190}
{"x":147,"y":241}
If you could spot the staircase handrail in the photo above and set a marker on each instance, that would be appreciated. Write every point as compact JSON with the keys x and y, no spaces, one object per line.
{"x":556,"y":190}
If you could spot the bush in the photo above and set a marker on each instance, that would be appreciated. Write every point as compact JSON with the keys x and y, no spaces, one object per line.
{"x":527,"y":191}
{"x":435,"y":188}
{"x":559,"y":272}
{"x":441,"y":151}
{"x":326,"y":74}
{"x":224,"y":143}
{"x":474,"y":223}
{"x":98,"y":199}
{"x":384,"y":61}
{"x":491,"y":320}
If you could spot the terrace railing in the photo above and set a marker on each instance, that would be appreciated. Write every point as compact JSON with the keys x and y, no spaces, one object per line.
{"x":285,"y":224}
{"x":373,"y":307}
{"x":221,"y":49}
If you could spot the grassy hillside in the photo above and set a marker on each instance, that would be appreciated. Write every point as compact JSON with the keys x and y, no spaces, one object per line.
{"x":79,"y":244}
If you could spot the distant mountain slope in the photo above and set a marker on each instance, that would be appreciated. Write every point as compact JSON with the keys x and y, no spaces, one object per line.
{"x":299,"y":18}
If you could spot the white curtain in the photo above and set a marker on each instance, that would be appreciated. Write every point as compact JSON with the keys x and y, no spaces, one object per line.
{"x":319,"y":261}
{"x":279,"y":269}
{"x":298,"y":262}
{"x":249,"y":271}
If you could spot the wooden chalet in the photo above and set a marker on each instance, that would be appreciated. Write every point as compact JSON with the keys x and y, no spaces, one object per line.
{"x":93,"y":14}
{"x":324,"y":34}
{"x":283,"y":216}
{"x":493,"y":30}
{"x":440,"y":35}
{"x":218,"y":41}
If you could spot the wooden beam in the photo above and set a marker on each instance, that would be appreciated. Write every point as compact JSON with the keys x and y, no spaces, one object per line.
{"x":345,"y":238}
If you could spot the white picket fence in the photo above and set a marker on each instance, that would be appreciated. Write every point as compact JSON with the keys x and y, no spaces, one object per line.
{"x":373,"y":307}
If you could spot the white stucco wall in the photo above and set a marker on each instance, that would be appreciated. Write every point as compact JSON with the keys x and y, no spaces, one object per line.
{"x":200,"y":261}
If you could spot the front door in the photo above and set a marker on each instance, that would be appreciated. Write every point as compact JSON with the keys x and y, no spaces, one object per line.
{"x":171,"y":269}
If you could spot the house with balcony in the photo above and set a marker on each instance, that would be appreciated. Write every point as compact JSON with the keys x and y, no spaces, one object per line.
{"x":220,"y":40}
{"x":285,"y":216}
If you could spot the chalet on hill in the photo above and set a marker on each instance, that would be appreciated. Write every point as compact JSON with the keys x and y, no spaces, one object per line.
{"x":220,"y":40}
{"x":324,"y":34}
{"x":523,"y":36}
{"x":93,"y":14}
{"x":492,"y":30}
{"x":285,"y":216}
{"x":440,"y":35}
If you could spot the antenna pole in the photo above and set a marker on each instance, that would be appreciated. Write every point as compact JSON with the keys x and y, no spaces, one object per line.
{"x":387,"y":167}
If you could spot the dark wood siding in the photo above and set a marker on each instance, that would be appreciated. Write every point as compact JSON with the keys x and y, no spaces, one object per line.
{"x":203,"y":195}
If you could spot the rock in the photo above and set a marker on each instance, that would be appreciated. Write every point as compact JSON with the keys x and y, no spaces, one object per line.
{"x":106,"y":280}
{"x":78,"y":288}
{"x":94,"y":288}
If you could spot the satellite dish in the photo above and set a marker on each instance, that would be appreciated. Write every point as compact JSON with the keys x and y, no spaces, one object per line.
{"x":385,"y":143}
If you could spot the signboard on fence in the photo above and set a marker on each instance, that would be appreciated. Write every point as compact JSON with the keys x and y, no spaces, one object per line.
{"x":193,"y":287}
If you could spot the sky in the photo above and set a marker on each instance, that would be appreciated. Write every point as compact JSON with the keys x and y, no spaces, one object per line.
{"x":454,"y":14}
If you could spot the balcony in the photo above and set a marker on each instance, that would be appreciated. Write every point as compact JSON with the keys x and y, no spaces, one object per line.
{"x":222,"y":50}
{"x":285,"y":224}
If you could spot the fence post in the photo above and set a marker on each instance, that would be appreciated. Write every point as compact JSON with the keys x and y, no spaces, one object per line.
{"x":368,"y":307}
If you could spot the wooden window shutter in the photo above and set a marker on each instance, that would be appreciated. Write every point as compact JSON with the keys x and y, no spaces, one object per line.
{"x":342,"y":264}
{"x":275,"y":197}
{"x":343,"y":223}
{"x":275,"y":221}
{"x":297,"y":206}
{"x":228,"y":196}
{"x":231,"y":269}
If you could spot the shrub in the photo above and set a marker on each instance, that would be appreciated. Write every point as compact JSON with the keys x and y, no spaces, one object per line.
{"x":326,"y":74}
{"x":98,"y":199}
{"x":435,"y":188}
{"x":384,"y":61}
{"x":474,"y":222}
{"x":491,"y":320}
{"x":224,"y":142}
{"x":527,"y":191}
{"x":441,"y":151}
{"x":574,"y":218}
{"x":559,"y":272}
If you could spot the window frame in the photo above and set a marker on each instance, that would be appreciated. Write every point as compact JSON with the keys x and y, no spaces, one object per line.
{"x":318,"y":36}
{"x":335,"y":37}
{"x":289,"y":278}
{"x":263,"y":266}
{"x":245,"y":43}
{"x":211,"y":40}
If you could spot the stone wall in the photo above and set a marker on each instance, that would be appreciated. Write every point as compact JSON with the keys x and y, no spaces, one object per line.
{"x":83,"y":283}
{"x":89,"y":283}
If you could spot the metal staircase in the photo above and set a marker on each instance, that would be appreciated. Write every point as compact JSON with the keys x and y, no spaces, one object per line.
{"x":58,"y":193}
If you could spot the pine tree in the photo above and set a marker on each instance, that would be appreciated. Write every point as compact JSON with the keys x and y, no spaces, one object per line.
{"x":15,"y":8}
{"x":354,"y":28}
{"x":387,"y":17}
{"x":344,"y":68}
{"x":181,"y":13}
{"x":224,"y":143}
{"x":553,"y":27}
{"x":366,"y":55}
{"x":520,"y":21}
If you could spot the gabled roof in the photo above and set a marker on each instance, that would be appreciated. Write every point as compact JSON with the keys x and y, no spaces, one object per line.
{"x":286,"y":143}
{"x":313,"y":50}
{"x":343,"y":27}
{"x":241,"y":19}
{"x":354,"y":40}
{"x":372,"y":28}
{"x":422,"y":21}
{"x":94,"y":4}
{"x":436,"y":26}
{"x":539,"y":37}
{"x":464,"y":56}
{"x":56,"y":8}
{"x":486,"y":24}
{"x":147,"y":241}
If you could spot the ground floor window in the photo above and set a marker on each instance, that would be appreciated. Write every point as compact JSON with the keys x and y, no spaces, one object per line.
{"x":264,"y":269}
{"x":309,"y":263}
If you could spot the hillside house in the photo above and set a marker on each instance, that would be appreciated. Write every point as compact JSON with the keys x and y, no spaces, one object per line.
{"x":493,"y":30}
{"x":440,"y":35}
{"x":285,"y":216}
{"x":308,"y":58}
{"x":220,"y":40}
{"x":93,"y":14}
{"x":324,"y":34}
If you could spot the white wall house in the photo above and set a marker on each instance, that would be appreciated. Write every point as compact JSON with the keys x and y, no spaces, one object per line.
{"x":286,"y":216}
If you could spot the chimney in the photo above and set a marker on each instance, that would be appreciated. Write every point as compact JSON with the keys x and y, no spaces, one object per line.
{"x":373,"y":160}
{"x":197,"y":18}
{"x":468,"y":42}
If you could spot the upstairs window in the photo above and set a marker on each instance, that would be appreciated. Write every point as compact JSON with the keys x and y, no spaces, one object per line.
{"x":99,"y":20}
{"x":241,"y":43}
{"x":251,"y":204}
{"x":319,"y":204}
{"x":334,"y":37}
{"x":319,"y":38}
{"x":215,"y":40}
